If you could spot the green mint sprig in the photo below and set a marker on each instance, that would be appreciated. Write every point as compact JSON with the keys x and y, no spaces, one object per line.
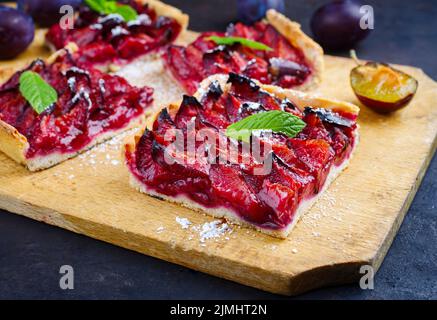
{"x":112,"y":7}
{"x":275,"y":121}
{"x":229,"y":41}
{"x":37,"y":91}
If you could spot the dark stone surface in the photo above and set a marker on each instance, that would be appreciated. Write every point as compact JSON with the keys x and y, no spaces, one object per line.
{"x":31,"y":252}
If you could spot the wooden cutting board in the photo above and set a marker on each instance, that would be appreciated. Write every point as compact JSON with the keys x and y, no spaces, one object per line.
{"x":352,"y":225}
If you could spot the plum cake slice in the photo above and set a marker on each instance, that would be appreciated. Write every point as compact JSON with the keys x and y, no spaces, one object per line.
{"x":87,"y":107}
{"x":111,"y":38}
{"x":293,"y":146}
{"x":273,"y":51}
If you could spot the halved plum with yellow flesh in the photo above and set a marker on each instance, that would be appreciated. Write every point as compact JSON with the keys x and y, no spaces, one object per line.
{"x":382,"y":87}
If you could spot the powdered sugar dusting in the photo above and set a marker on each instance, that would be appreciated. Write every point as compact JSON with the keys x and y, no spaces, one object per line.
{"x":184,"y":222}
{"x":150,"y":71}
{"x":118,"y":31}
{"x":142,"y":19}
{"x":107,"y":154}
{"x":216,"y":230}
{"x":320,"y":210}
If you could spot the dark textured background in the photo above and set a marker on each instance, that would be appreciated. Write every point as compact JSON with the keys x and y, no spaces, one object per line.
{"x":31,"y":252}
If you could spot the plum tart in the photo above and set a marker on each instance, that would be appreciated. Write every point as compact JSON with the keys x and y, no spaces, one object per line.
{"x":90,"y":106}
{"x":109,"y":38}
{"x":283,"y":55}
{"x":270,"y":199}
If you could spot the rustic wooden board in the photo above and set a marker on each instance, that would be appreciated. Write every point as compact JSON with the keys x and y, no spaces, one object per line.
{"x":353,"y":224}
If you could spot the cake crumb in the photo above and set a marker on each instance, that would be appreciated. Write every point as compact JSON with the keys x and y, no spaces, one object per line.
{"x":294,"y":250}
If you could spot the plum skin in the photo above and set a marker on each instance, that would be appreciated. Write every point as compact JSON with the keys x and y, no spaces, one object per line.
{"x":46,"y":12}
{"x":17,"y":31}
{"x":336,"y":25}
{"x":250,"y":11}
{"x":385,"y":107}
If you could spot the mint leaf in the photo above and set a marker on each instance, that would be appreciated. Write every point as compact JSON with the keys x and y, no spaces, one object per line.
{"x":127,"y":12}
{"x":109,"y":6}
{"x":275,"y":120}
{"x":112,"y":7}
{"x":96,"y":5}
{"x":229,"y":41}
{"x":36,"y":91}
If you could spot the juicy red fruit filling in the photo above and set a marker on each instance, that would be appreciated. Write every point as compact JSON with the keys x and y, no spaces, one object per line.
{"x":284,"y":65}
{"x":109,"y":38}
{"x":299,"y":169}
{"x":89,"y":104}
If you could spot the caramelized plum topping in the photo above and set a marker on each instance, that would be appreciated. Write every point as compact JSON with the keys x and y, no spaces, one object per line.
{"x":106,"y":39}
{"x":280,"y":67}
{"x":329,"y":116}
{"x":215,"y":90}
{"x":284,"y":65}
